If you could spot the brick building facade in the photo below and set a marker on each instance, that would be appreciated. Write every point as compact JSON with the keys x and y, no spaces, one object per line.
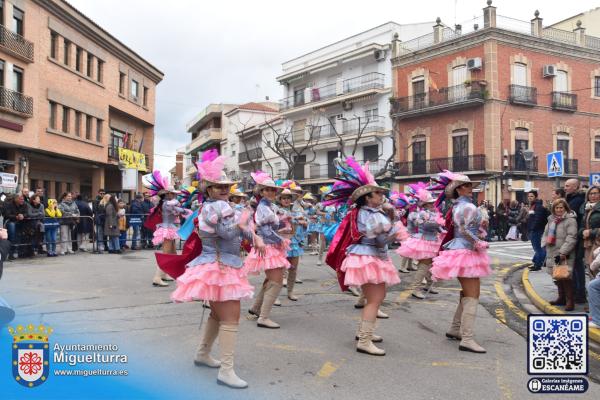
{"x":486,"y":98}
{"x":71,"y":95}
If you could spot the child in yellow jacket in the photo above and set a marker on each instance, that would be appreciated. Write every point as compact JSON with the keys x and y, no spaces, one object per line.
{"x":51,"y":225}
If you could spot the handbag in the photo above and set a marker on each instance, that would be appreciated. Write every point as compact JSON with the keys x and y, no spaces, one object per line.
{"x":561,"y":272}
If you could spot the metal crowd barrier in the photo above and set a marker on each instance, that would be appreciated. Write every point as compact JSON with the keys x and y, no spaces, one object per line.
{"x":97,"y":243}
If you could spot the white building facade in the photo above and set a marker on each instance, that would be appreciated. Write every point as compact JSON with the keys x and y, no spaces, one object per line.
{"x":337,"y":97}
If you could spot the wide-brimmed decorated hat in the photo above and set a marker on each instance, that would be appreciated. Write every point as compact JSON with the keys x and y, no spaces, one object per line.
{"x":353,"y":182}
{"x":157,"y":184}
{"x":235,"y":191}
{"x":287,"y":192}
{"x":210,"y":170}
{"x":309,"y":196}
{"x":263,"y":180}
{"x":449,"y":181}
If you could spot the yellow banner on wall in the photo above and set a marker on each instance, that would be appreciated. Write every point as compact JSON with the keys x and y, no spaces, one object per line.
{"x":132,"y":159}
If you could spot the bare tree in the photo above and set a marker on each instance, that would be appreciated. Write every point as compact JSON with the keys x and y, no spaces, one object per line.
{"x":363,"y":124}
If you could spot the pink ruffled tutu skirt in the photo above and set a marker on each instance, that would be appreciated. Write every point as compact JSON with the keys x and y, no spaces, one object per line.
{"x":161,"y":234}
{"x":361,"y":269}
{"x":419,"y":249}
{"x":275,"y":257}
{"x":212,"y":282}
{"x":402,"y":233}
{"x":461,"y":263}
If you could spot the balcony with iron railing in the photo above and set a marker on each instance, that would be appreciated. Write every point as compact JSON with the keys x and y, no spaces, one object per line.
{"x":16,"y":44}
{"x":517,"y":163}
{"x":435,"y":165}
{"x":524,"y":95}
{"x":333,"y":91}
{"x":15,"y":102}
{"x":564,"y":101}
{"x":328,"y":171}
{"x":571,"y":166}
{"x":435,"y":101}
{"x":251,"y":155}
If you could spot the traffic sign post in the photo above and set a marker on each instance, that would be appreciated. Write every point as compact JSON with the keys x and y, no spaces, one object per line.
{"x":555,"y":163}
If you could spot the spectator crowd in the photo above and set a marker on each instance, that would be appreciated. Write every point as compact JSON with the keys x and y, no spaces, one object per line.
{"x":36,"y":224}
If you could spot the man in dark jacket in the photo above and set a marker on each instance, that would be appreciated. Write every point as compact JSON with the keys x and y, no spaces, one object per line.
{"x":536,"y":223}
{"x":98,"y":211}
{"x":136,"y":219}
{"x":146,"y":233}
{"x":15,"y":211}
{"x":576,"y":199}
{"x":85,"y":226}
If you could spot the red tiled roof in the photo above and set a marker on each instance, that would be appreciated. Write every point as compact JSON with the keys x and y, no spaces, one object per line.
{"x":256,"y":107}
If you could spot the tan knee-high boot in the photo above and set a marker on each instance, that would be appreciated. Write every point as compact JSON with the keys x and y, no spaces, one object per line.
{"x":361,"y":301}
{"x":375,"y":338}
{"x":365,"y":339}
{"x":454,"y":332}
{"x":467,"y":342}
{"x":157,"y":280}
{"x":422,"y":269}
{"x":271,"y":292}
{"x":211,"y":330}
{"x":227,"y":376}
{"x":291,"y":281}
{"x":255,"y":309}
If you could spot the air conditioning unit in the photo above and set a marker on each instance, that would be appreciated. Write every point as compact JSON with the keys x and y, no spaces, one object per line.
{"x":379,"y":55}
{"x":346,"y":106}
{"x":548,"y":71}
{"x":474,"y":63}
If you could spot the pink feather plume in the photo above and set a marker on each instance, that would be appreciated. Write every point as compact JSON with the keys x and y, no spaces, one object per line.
{"x":211,"y":165}
{"x":260,"y":176}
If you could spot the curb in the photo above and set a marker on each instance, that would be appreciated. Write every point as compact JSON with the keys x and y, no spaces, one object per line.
{"x":547,"y":308}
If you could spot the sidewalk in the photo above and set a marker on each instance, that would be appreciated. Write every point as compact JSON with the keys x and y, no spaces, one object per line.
{"x":541,"y":290}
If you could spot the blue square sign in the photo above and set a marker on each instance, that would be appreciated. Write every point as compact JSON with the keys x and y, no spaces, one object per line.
{"x":595,"y":179}
{"x":555,"y":163}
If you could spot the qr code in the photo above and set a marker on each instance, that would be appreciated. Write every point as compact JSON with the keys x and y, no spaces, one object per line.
{"x":557,"y":344}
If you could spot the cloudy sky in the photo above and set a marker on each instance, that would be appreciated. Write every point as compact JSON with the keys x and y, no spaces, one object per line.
{"x":232,"y":50}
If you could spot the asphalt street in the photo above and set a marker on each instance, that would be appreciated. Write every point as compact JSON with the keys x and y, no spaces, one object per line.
{"x":109,"y":298}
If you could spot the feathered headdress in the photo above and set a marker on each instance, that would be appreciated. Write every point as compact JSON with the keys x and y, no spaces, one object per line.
{"x":446,"y":182}
{"x":156,"y":183}
{"x":210,"y":168}
{"x":188,"y":195}
{"x":400,"y":200}
{"x":290,"y":184}
{"x":352,"y":177}
{"x":420,"y":192}
{"x":325,"y":190}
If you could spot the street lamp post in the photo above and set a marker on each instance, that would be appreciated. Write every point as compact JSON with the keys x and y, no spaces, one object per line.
{"x":528,"y":156}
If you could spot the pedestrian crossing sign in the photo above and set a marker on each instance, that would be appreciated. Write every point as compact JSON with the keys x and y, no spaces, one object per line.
{"x":555,"y":163}
{"x":595,"y":179}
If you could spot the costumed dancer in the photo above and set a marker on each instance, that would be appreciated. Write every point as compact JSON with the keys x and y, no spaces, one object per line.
{"x":284,"y":202}
{"x":167,"y":211}
{"x":272,"y":256}
{"x":463,"y":255}
{"x":314,"y":223}
{"x":216,"y":275}
{"x":359,"y":252}
{"x":301,"y":223}
{"x":237,"y":198}
{"x":423,"y":245}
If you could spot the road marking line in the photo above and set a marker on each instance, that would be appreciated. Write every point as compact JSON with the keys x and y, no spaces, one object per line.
{"x":503,"y":253}
{"x":501,"y":382}
{"x":327,"y":369}
{"x":290,"y":348}
{"x":456,"y":364}
{"x":500,"y":315}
